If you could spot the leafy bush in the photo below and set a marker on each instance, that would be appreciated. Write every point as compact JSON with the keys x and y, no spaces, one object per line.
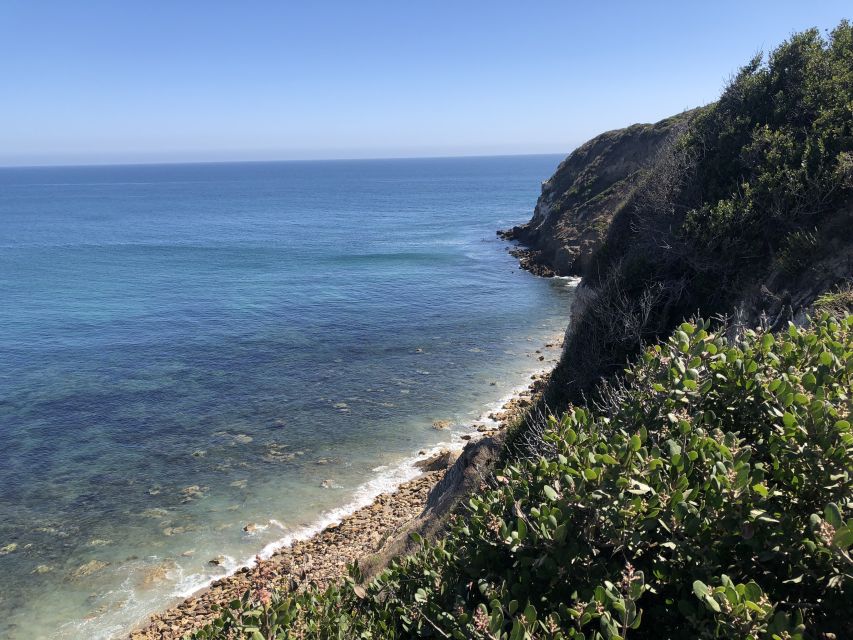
{"x":798,"y":251}
{"x":708,"y":496}
{"x":776,"y":147}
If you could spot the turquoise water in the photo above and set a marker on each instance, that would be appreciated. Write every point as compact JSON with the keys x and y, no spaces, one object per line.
{"x":185,"y":349}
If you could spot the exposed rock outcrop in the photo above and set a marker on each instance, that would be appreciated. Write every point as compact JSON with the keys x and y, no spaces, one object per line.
{"x":578,"y":202}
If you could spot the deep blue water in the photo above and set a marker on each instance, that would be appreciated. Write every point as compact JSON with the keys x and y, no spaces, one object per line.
{"x":188,"y":348}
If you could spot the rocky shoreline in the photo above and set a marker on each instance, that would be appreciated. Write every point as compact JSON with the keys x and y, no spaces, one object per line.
{"x":529,"y":258}
{"x":318,"y":560}
{"x":371,"y":535}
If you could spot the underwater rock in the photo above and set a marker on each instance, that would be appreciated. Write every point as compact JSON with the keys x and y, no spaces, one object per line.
{"x":191,"y":492}
{"x":157,"y":573}
{"x":156,"y":512}
{"x":99,"y":542}
{"x":93,"y":566}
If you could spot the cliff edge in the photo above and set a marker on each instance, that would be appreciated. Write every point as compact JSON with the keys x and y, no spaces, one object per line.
{"x":578,"y":202}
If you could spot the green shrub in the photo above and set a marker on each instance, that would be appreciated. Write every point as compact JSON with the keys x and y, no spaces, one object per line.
{"x":838,"y":301}
{"x":799,"y":250}
{"x":775,"y":150}
{"x":709,"y":496}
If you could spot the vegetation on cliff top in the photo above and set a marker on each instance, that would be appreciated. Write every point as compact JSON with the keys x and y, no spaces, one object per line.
{"x":776,"y":150}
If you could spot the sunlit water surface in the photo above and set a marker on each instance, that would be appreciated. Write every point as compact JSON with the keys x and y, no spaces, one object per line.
{"x":187,"y":349}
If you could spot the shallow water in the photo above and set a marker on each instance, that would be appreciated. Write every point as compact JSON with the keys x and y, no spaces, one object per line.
{"x":187,"y":349}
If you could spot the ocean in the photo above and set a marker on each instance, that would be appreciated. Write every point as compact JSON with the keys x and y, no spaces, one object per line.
{"x":186,"y":349}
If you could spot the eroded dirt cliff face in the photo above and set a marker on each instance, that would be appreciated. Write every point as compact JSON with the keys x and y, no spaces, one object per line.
{"x":579,"y":201}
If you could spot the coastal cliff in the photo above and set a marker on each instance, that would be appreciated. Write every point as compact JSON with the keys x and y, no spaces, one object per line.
{"x":578,"y":202}
{"x":741,"y":209}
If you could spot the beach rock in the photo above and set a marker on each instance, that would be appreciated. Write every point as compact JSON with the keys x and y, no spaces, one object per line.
{"x":439,"y":461}
{"x":239,"y":484}
{"x":242,"y":438}
{"x":466,"y":436}
{"x":327,"y":484}
{"x":441,"y":424}
{"x":188,"y":553}
{"x":250,"y":528}
{"x":42,"y":568}
{"x":93,"y":566}
{"x":218,"y":561}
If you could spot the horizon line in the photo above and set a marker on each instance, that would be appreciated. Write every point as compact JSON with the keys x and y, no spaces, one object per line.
{"x":212,"y":162}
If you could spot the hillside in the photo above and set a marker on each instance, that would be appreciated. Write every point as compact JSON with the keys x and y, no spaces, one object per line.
{"x":742,"y":208}
{"x":694,"y":477}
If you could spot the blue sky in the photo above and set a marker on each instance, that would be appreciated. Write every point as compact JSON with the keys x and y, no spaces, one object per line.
{"x":167,"y":80}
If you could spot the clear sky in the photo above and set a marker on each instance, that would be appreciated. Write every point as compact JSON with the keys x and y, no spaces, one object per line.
{"x":182,"y":80}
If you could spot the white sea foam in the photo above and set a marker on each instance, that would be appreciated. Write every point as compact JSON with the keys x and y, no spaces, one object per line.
{"x":387,"y":479}
{"x":571,"y":281}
